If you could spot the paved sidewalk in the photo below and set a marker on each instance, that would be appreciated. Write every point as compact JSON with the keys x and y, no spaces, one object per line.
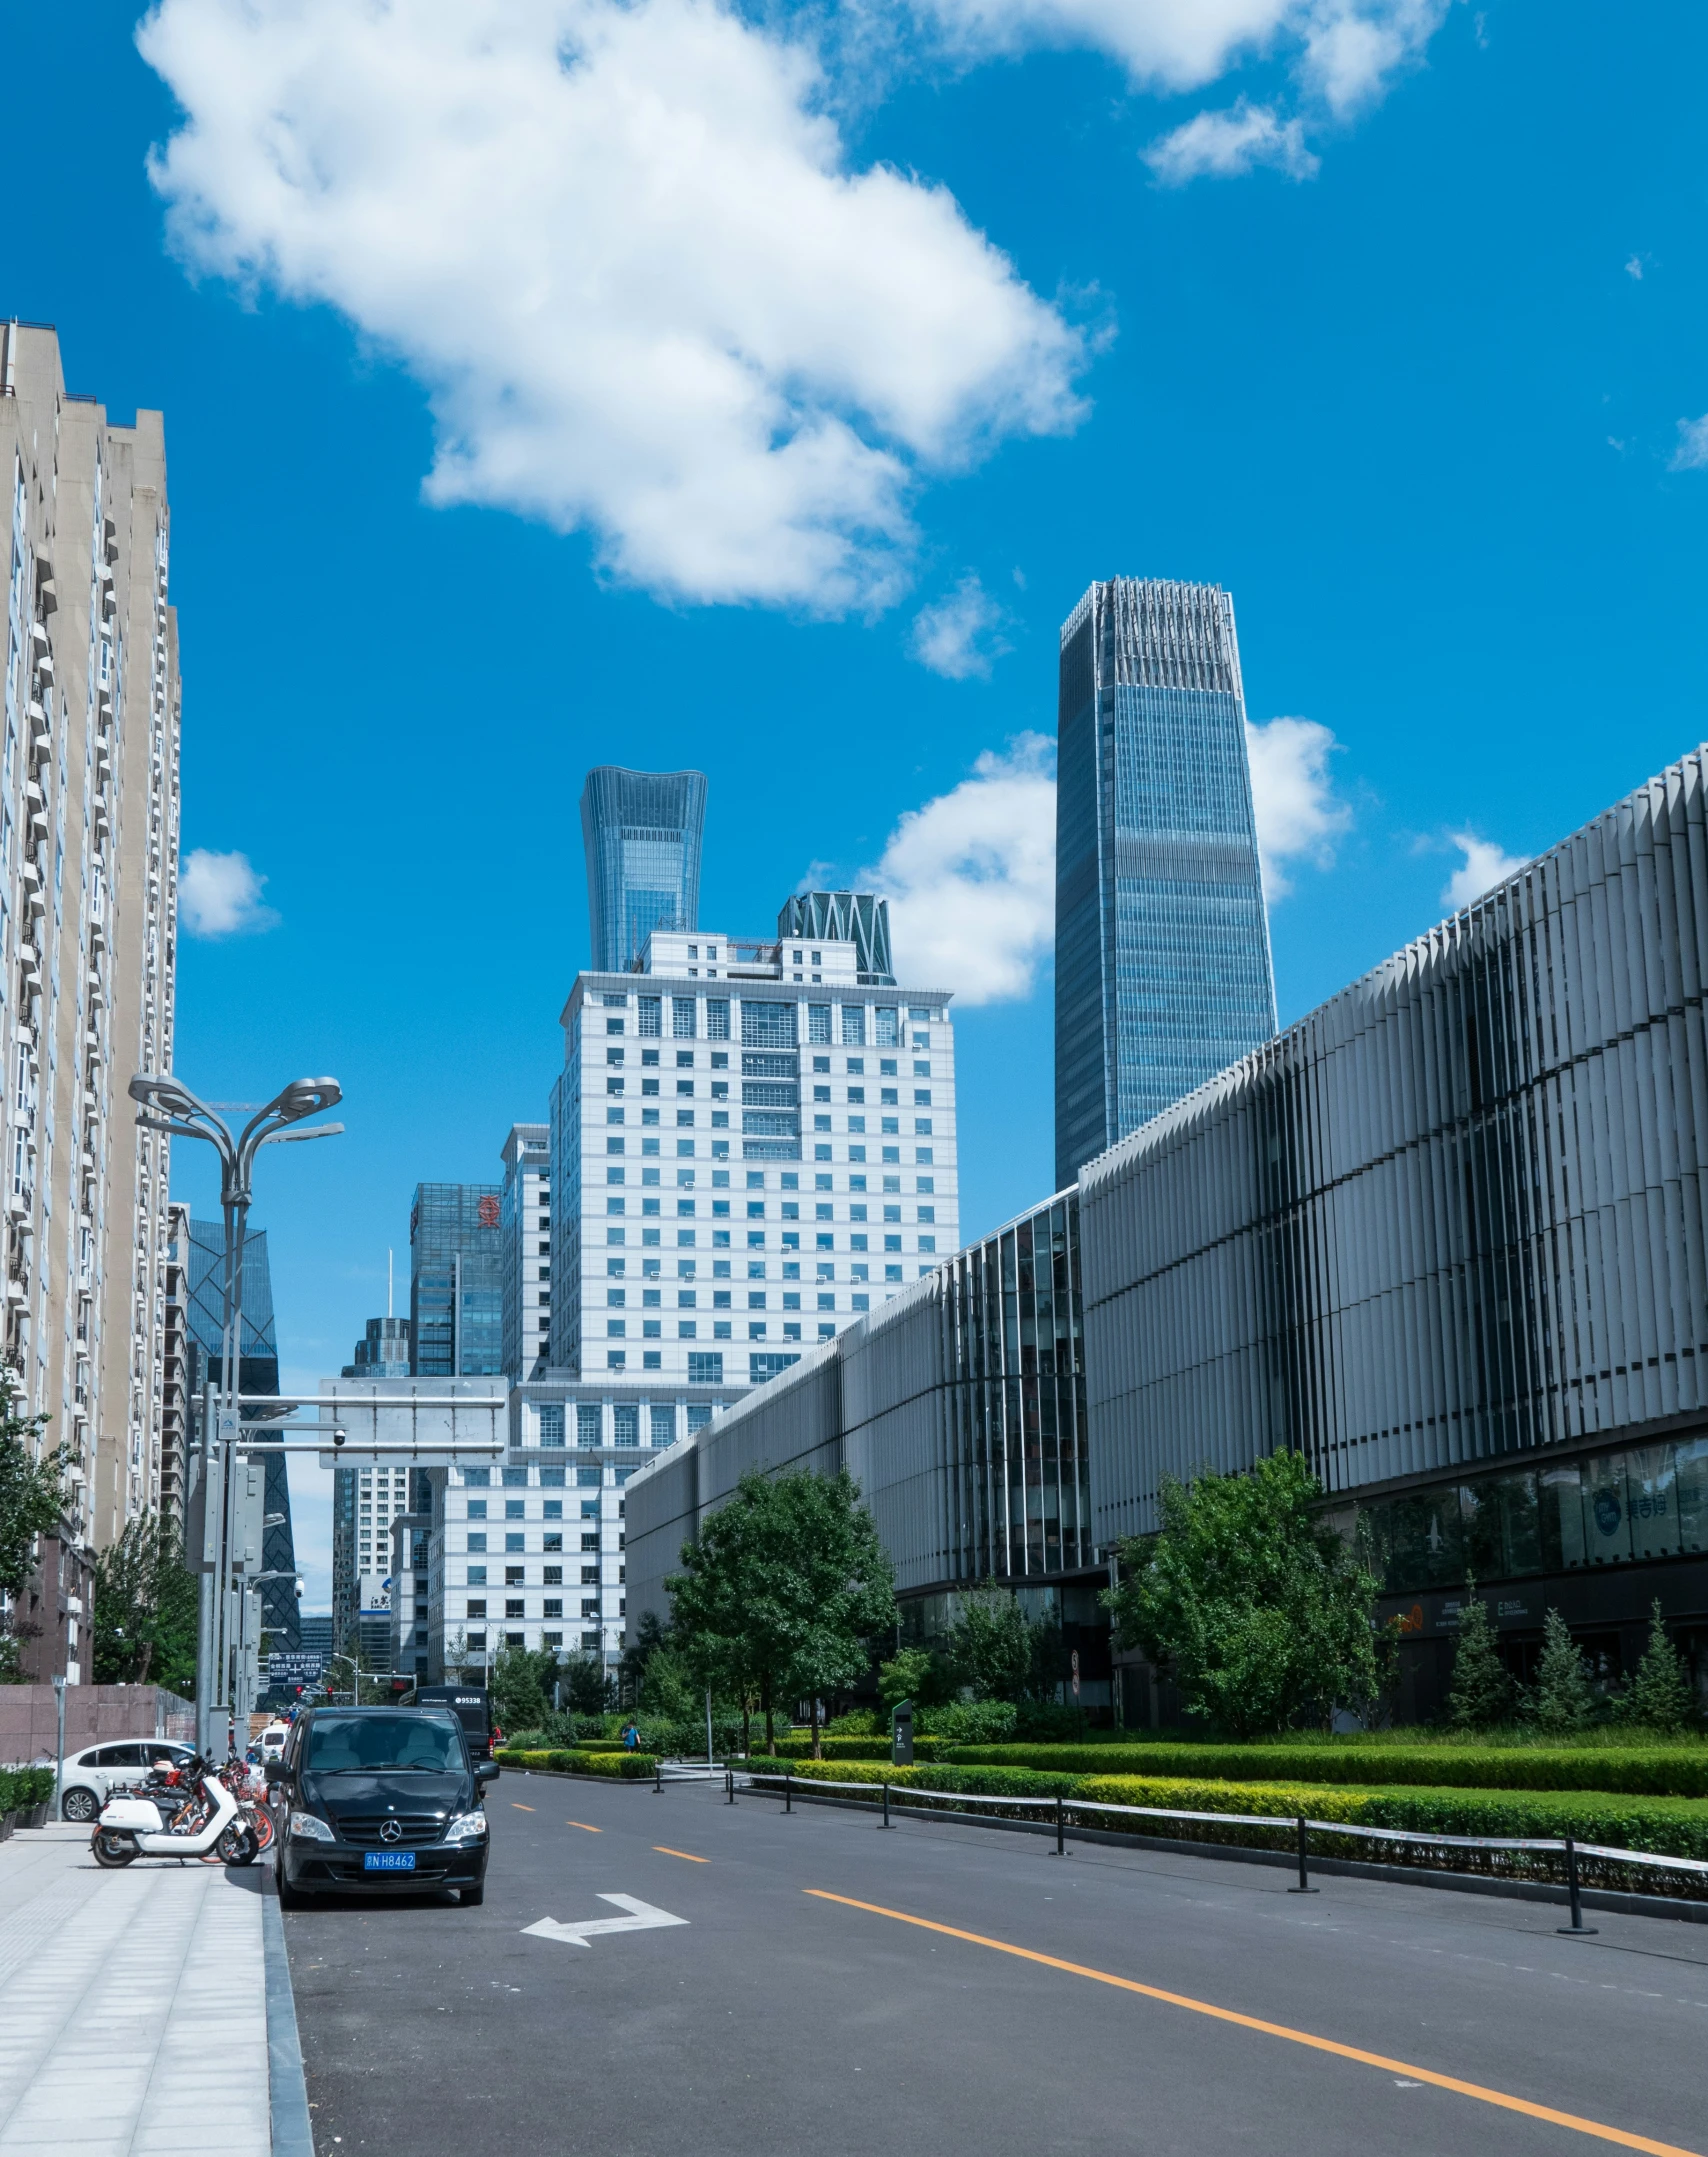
{"x":133,"y":2012}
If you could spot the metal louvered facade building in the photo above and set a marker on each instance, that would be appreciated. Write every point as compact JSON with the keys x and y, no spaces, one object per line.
{"x":1446,"y":1237}
{"x":958,"y":1408}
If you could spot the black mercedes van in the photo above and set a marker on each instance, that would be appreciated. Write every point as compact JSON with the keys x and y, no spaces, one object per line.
{"x":380,"y":1800}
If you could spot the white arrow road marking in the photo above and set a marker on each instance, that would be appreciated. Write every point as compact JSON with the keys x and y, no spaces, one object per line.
{"x":643,"y":1918}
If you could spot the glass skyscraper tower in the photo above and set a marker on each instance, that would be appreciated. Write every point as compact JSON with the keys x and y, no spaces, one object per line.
{"x":1162,"y":945}
{"x":642,"y":833}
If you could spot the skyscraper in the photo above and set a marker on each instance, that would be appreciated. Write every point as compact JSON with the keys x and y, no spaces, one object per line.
{"x":456,"y":1280}
{"x":88,"y":905}
{"x":642,"y":835}
{"x":257,"y":1372}
{"x":1162,"y":945}
{"x":859,"y":918}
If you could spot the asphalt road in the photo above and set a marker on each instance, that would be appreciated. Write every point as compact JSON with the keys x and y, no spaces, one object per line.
{"x":774,"y":2018}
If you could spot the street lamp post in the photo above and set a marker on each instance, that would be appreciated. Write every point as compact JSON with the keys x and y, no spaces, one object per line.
{"x":165,"y":1104}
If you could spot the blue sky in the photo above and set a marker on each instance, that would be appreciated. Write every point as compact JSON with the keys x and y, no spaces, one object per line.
{"x":1385,"y":315}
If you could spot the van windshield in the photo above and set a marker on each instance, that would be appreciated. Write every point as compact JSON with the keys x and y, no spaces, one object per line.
{"x":360,"y":1744}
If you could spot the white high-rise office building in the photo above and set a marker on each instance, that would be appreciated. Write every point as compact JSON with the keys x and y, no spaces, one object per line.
{"x":88,"y":902}
{"x":751,"y":1145}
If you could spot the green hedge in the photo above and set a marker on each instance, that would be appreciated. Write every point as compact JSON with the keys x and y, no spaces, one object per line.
{"x":1681,"y":1773}
{"x":23,"y":1788}
{"x":799,"y":1747}
{"x":1675,"y":1827}
{"x":613,"y":1767}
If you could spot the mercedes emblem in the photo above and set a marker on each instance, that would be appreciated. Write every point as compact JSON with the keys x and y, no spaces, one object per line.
{"x":391,"y":1831}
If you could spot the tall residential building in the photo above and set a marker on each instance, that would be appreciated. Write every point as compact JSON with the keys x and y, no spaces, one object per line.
{"x":88,"y":898}
{"x":257,"y":1372}
{"x":807,"y":1170}
{"x":1162,"y":944}
{"x":456,"y":1280}
{"x":526,"y":1225}
{"x":642,"y":833}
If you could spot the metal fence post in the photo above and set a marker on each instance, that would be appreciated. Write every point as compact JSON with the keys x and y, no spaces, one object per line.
{"x":886,"y":1805}
{"x":1061,"y":1848}
{"x":788,"y":1789}
{"x":1304,"y":1887}
{"x":729,"y":1784}
{"x":1577,"y":1929}
{"x":658,"y":1775}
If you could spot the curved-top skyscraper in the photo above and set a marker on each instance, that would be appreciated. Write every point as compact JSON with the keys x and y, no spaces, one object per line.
{"x":1162,"y":945}
{"x":642,"y":834}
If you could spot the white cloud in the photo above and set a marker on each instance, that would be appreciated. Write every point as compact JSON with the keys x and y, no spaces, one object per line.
{"x":958,"y":636}
{"x":1634,"y":268}
{"x":1299,"y":816}
{"x":220,"y":895}
{"x":1221,"y":145}
{"x":971,"y":877}
{"x":1341,"y":54}
{"x":621,"y":247}
{"x":1485,"y":865}
{"x":1691,"y":455}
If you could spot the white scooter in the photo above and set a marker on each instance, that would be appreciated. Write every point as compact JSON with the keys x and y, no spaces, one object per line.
{"x":131,"y":1827}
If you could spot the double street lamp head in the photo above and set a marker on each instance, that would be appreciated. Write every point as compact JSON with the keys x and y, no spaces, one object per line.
{"x":166,"y":1104}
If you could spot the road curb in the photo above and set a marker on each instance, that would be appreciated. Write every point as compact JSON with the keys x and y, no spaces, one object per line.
{"x":287,"y":2092}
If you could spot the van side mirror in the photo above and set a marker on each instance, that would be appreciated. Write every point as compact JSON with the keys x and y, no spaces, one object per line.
{"x":485,"y":1771}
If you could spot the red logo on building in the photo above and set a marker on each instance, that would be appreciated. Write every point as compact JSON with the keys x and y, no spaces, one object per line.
{"x":488,"y":1212}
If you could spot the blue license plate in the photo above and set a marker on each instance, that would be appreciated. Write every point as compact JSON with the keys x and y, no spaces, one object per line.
{"x":388,"y":1860}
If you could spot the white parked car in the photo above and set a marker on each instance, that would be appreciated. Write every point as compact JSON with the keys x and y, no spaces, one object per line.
{"x":90,"y":1775}
{"x":273,"y":1740}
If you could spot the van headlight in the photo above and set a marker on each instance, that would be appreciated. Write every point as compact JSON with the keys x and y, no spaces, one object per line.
{"x":467,"y":1827}
{"x":306,"y":1827}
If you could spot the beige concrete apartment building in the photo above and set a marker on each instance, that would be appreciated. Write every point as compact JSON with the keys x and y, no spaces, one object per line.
{"x":88,"y":909}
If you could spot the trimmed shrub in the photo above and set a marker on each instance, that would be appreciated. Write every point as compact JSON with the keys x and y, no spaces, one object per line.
{"x":611,"y":1766}
{"x":1676,"y":1772}
{"x":851,"y":1748}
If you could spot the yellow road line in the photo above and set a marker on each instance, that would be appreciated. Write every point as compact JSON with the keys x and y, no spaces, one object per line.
{"x":585,"y":1829}
{"x":1279,"y":2029}
{"x":514,"y":1807}
{"x":688,"y":1854}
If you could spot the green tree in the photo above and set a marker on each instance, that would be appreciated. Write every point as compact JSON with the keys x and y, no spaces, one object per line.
{"x":1660,"y":1694}
{"x":781,"y":1592}
{"x":1259,"y":1610}
{"x":521,"y":1688}
{"x":32,"y":1499}
{"x":990,"y":1648}
{"x":709,"y":1602}
{"x":827,"y":1587}
{"x":144,"y":1620}
{"x":1564,"y":1699}
{"x":1482,"y":1693}
{"x":587,"y":1688}
{"x":914,"y":1674}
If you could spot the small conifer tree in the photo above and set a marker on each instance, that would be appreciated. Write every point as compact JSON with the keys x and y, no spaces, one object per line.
{"x":1660,"y":1693}
{"x":1563,"y":1700}
{"x":1481,"y":1694}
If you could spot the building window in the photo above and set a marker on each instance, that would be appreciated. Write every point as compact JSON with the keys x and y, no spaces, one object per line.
{"x":651,"y":1011}
{"x":682,"y":1018}
{"x":854,"y":1026}
{"x":763,"y":1367}
{"x":717,"y":1018}
{"x":477,"y":1576}
{"x":477,"y":1606}
{"x":551,"y":1423}
{"x":625,"y":1419}
{"x":552,"y":1607}
{"x":663,"y":1426}
{"x":704,"y":1369}
{"x":888,"y":1035}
